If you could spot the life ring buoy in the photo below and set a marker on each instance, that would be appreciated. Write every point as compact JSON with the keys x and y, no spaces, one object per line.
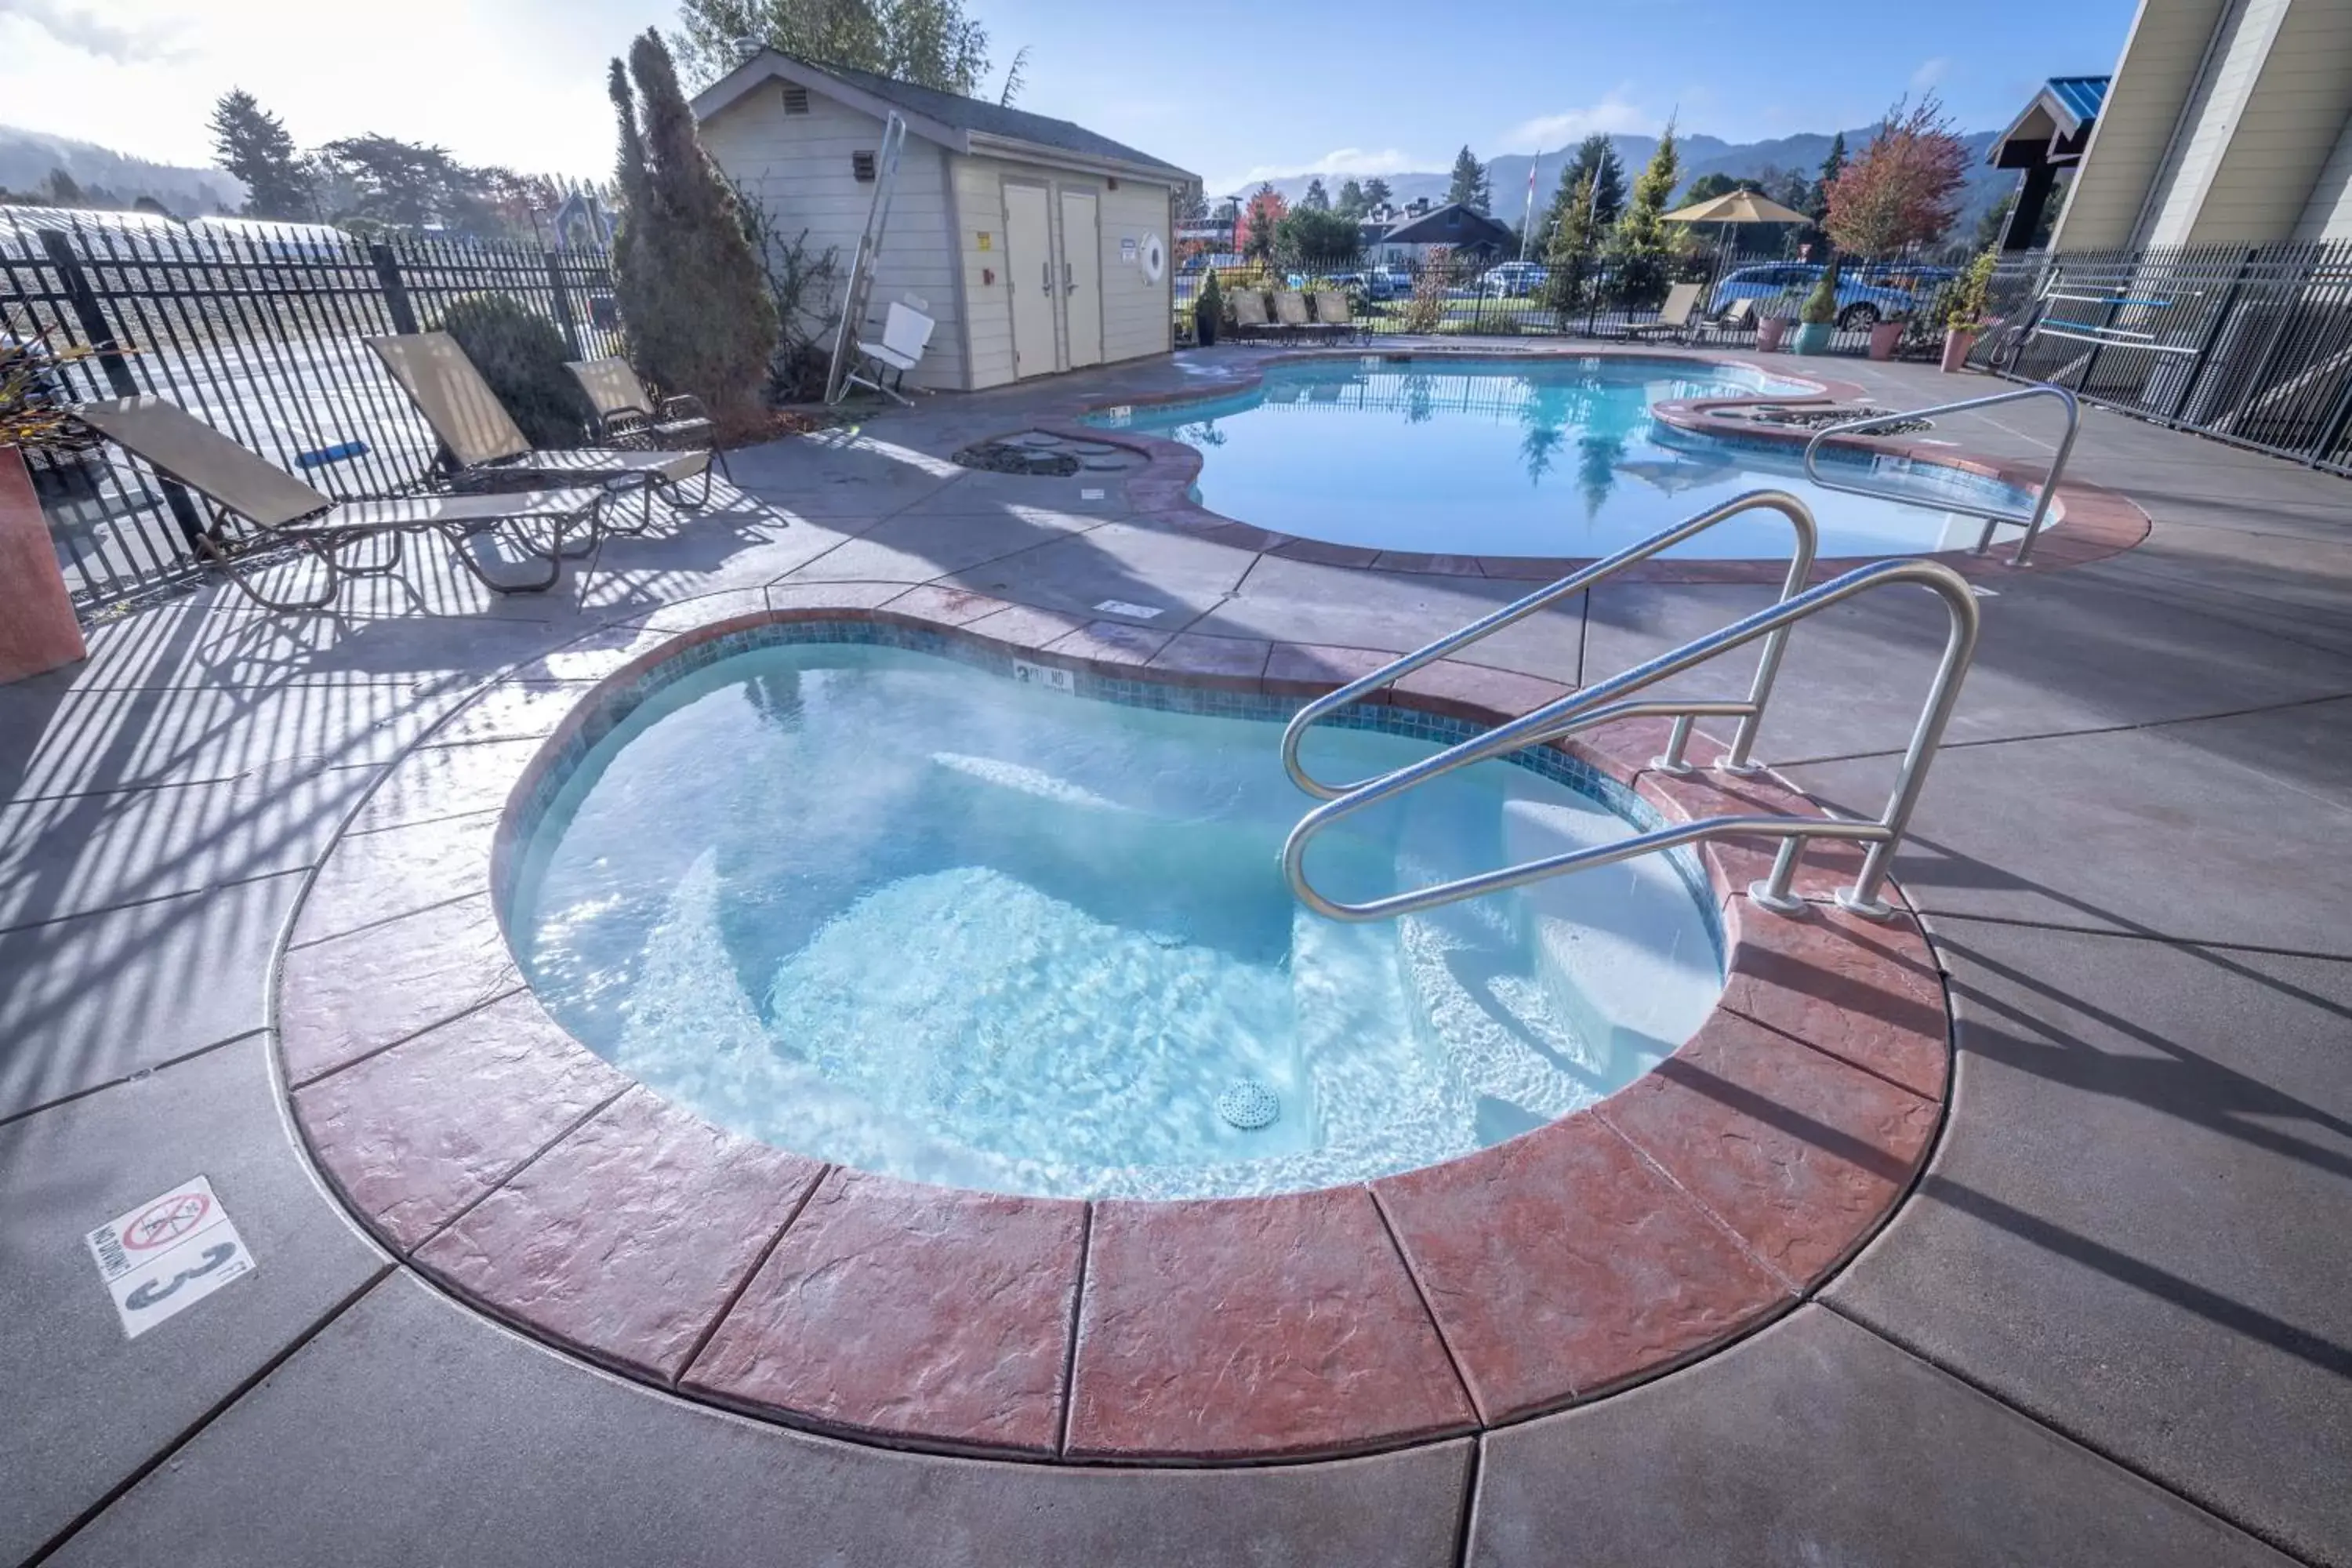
{"x":1155,"y":258}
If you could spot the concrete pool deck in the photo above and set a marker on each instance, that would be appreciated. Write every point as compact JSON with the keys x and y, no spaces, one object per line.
{"x":2110,"y":1326}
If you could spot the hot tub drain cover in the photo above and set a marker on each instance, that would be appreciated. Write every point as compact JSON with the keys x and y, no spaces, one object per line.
{"x":1248,"y":1105}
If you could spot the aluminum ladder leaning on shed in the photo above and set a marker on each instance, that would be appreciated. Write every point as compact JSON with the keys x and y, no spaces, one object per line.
{"x":1994,"y":517}
{"x":1612,"y":699}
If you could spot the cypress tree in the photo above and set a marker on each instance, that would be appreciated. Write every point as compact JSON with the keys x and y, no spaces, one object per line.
{"x":1642,"y":245}
{"x":693,"y":304}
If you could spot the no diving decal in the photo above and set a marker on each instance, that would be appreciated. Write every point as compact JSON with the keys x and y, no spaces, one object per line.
{"x":167,"y":1255}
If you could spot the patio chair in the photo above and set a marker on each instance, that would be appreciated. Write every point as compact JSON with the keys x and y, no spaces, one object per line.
{"x":1291,"y":320}
{"x":1738,"y":320}
{"x":1250,"y":320}
{"x":1333,"y":311}
{"x":883,"y":366}
{"x":274,"y":507}
{"x":486,"y":448}
{"x":1674,"y":316}
{"x":627,"y":416}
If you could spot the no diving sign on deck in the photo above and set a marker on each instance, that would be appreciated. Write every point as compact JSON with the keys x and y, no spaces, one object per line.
{"x":168,"y":1254}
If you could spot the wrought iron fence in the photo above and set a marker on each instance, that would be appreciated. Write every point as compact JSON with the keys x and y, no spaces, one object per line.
{"x":260,"y":335}
{"x":1456,"y":294}
{"x":2249,"y":344}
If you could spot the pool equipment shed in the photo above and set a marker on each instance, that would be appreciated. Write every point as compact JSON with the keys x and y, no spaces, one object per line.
{"x":1037,"y":245}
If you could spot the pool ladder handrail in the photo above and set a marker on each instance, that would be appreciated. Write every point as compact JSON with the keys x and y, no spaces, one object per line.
{"x":1599,"y":704}
{"x":1751,"y":713}
{"x":1994,"y":517}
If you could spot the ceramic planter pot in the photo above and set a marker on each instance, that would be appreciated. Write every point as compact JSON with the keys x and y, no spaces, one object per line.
{"x":1204,"y":327}
{"x":1884,"y":336}
{"x":37,"y":630}
{"x":1769,"y":331}
{"x":1957,"y":342}
{"x":1812,"y":337}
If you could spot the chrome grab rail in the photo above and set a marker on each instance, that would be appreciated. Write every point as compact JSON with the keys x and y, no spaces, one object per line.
{"x":1599,"y":704}
{"x":1751,"y":713}
{"x":2031,"y":522}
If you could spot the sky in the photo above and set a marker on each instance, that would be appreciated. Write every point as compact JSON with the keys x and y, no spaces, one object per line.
{"x":1236,"y":90}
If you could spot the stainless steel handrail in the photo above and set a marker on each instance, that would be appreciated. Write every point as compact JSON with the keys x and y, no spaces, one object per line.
{"x":1749,"y":713}
{"x":2031,"y":521}
{"x":1599,"y":704}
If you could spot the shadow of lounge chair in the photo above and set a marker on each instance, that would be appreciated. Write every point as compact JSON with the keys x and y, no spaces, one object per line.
{"x":255,"y":503}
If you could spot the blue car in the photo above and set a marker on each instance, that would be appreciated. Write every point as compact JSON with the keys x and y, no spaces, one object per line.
{"x":1864,"y":295}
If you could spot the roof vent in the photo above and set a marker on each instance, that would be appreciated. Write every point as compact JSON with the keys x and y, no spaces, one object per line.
{"x":747,"y":49}
{"x":862,"y":165}
{"x":796,"y":99}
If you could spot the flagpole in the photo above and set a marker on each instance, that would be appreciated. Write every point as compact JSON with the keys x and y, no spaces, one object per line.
{"x":1528,"y":224}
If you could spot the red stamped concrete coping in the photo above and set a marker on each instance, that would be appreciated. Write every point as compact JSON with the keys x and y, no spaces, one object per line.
{"x":505,"y":1161}
{"x":2097,"y":522}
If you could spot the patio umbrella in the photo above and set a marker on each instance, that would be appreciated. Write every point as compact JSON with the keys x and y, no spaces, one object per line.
{"x":1730,"y":210}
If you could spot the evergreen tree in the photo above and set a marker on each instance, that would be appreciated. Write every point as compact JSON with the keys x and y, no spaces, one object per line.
{"x":1817,"y":196}
{"x":60,"y":189}
{"x":1376,"y":193}
{"x":696,"y":313}
{"x":931,"y":43}
{"x":1471,"y":186}
{"x":251,"y":144}
{"x":1642,"y":245}
{"x":1596,"y":158}
{"x":1568,"y":255}
{"x":1316,"y":199}
{"x":1352,"y":202}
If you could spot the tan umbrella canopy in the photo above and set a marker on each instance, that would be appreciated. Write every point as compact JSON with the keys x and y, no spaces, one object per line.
{"x":1737,"y":206}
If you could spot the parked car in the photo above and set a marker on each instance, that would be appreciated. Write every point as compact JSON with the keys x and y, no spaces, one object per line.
{"x":1864,"y":294}
{"x":1515,"y":278}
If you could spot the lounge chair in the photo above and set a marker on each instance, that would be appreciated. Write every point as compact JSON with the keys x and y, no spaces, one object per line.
{"x":627,"y":416}
{"x":1674,"y":316}
{"x":1250,"y":320}
{"x":1291,"y":320}
{"x":1333,"y":312}
{"x":486,"y":448}
{"x":255,"y":502}
{"x":1738,"y":320}
{"x":883,"y":366}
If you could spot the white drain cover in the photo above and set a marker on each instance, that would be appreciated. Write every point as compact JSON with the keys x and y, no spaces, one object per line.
{"x":1249,"y":1105}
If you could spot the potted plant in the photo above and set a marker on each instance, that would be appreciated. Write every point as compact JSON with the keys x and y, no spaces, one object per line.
{"x":1964,"y":317}
{"x":38,"y":628}
{"x":1208,"y":311}
{"x":1887,"y":332}
{"x":1774,"y":317}
{"x":1817,"y":320}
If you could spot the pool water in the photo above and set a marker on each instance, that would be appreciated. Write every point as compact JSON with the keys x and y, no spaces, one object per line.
{"x":897,"y":911}
{"x":1551,"y":456}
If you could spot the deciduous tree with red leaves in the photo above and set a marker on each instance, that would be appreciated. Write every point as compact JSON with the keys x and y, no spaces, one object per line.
{"x":1254,"y":234}
{"x":1904,"y":187}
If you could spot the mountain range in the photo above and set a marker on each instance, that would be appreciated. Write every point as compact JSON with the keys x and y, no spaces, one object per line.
{"x":1507,"y":171}
{"x":28,"y":156}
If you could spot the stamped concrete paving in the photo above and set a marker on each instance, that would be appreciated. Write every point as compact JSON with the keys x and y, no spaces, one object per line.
{"x":2111,"y":1326}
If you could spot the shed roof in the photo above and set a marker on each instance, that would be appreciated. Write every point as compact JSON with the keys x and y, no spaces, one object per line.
{"x":2055,"y":126}
{"x":958,"y":123}
{"x":1457,"y":223}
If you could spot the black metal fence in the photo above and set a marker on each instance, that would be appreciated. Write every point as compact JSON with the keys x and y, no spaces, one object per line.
{"x":1459,"y":294}
{"x":260,"y":335}
{"x":2251,"y":346}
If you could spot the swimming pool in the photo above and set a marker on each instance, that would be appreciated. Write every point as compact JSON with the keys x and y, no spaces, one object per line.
{"x":1552,"y":456}
{"x":889,"y":908}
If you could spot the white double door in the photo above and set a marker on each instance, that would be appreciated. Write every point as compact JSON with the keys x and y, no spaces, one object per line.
{"x":1055,"y":276}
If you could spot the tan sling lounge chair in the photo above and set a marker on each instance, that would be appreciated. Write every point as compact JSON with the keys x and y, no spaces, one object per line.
{"x":255,"y":503}
{"x":1738,"y":319}
{"x":627,"y":416}
{"x":1290,"y":315}
{"x":486,"y":448}
{"x":1336,"y":316}
{"x":1674,"y":316}
{"x":1249,"y":314}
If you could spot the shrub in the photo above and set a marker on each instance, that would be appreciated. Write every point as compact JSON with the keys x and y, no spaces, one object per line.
{"x":521,"y":355}
{"x":1425,"y":312}
{"x":1211,"y":302}
{"x":695,"y":306}
{"x":1821,"y":306}
{"x":1967,"y":295}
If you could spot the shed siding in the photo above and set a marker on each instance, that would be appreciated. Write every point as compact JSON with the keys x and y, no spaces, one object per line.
{"x":2152,"y":83}
{"x":798,"y":165}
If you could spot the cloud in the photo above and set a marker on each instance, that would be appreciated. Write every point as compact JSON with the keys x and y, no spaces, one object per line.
{"x":1341,"y":164}
{"x":1929,"y":73}
{"x":1616,"y":114}
{"x":92,"y":35}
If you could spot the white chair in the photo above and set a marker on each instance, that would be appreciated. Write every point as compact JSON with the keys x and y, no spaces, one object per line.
{"x":906,"y":332}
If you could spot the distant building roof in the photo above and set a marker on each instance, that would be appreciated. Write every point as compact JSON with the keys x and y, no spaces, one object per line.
{"x":961,"y":124}
{"x":1457,"y":223}
{"x":2055,"y":127}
